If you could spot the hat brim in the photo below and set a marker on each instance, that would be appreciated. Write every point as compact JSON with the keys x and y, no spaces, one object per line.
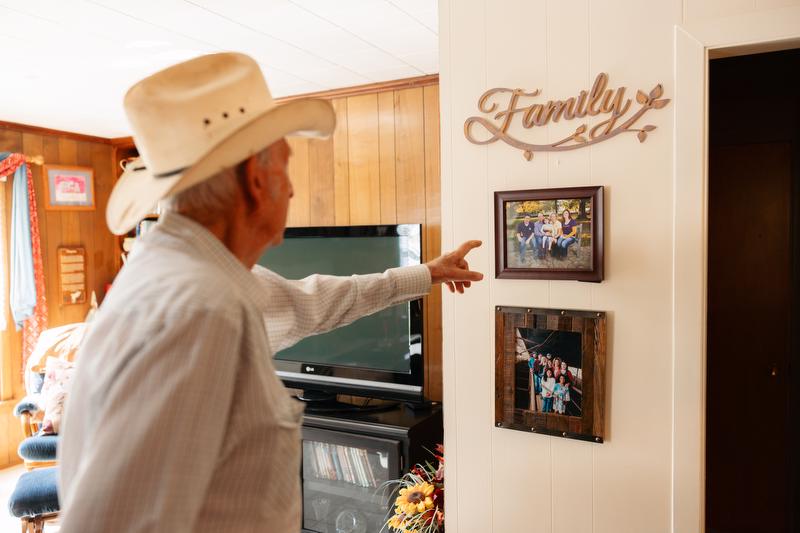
{"x":137,"y":192}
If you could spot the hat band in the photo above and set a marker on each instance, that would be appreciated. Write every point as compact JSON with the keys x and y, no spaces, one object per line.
{"x":170,"y":173}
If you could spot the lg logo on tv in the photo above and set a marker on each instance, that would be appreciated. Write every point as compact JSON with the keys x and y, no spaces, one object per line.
{"x":310,"y":369}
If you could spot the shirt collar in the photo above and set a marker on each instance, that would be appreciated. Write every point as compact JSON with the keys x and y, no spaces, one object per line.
{"x":184,"y":233}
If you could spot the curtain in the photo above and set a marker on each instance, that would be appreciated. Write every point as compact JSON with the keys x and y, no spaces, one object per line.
{"x":22,"y":293}
{"x":26,"y":293}
{"x":38,"y":322}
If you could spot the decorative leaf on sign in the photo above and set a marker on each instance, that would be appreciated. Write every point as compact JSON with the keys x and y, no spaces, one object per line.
{"x":658,"y":104}
{"x":649,"y":127}
{"x":579,"y":138}
{"x":641,"y":97}
{"x":657,"y":91}
{"x":642,"y":136}
{"x":528,"y":155}
{"x":581,"y":129}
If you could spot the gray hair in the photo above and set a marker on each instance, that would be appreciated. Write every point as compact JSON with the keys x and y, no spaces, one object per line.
{"x":214,"y":197}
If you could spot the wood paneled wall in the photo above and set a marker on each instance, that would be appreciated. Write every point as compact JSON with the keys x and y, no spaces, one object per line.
{"x":381,"y":166}
{"x":58,"y":228}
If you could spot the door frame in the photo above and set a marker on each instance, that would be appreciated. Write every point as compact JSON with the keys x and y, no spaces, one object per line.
{"x":694,"y":46}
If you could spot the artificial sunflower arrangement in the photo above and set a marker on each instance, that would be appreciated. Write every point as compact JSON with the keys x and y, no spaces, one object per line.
{"x":419,"y":506}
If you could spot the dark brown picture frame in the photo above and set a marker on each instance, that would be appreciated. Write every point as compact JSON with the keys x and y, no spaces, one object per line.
{"x":591,"y":325}
{"x":505,"y":271}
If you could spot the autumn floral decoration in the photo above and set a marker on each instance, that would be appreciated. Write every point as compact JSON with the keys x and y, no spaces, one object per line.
{"x":419,"y":506}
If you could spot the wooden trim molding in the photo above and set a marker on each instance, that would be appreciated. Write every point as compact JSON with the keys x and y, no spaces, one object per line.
{"x":754,"y":48}
{"x":25,"y":128}
{"x":122,"y":142}
{"x":393,"y":85}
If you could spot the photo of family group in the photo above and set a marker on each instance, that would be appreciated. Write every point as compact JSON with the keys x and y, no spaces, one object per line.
{"x":548,"y":371}
{"x":550,"y":233}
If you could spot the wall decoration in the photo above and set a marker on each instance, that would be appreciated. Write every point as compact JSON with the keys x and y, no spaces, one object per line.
{"x":549,"y":371}
{"x":72,"y":274}
{"x":68,"y":188}
{"x":549,"y":234}
{"x":503,"y":104}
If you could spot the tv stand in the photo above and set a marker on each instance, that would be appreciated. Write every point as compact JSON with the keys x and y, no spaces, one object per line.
{"x":421,"y":406}
{"x":348,"y":456}
{"x":326,"y":403}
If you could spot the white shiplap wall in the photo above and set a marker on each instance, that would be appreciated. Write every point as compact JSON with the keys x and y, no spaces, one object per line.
{"x":506,"y":481}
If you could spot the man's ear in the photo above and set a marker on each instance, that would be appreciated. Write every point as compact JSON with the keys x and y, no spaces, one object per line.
{"x":251,"y":178}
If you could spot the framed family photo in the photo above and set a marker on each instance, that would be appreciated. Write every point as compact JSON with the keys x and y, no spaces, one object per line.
{"x":68,"y":188}
{"x":549,"y":234}
{"x":549,"y":371}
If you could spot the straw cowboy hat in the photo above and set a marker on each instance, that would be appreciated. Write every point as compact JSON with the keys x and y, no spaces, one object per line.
{"x":195,"y":119}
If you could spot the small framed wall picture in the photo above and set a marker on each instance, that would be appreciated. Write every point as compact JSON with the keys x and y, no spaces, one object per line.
{"x":549,"y":234}
{"x":550,"y":367}
{"x":68,"y":188}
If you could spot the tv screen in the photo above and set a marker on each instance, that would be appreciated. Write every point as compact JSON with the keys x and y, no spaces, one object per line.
{"x":375,"y":352}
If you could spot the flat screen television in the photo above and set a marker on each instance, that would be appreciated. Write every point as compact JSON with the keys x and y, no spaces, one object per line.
{"x":377,"y":356}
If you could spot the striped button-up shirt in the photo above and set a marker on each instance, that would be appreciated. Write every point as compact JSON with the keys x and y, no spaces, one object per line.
{"x":176,"y":420}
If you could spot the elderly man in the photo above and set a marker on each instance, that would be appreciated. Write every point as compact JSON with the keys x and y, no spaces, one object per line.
{"x":176,"y":420}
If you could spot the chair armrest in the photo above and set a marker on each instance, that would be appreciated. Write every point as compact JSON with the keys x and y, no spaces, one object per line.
{"x":28,"y":405}
{"x":26,"y":410}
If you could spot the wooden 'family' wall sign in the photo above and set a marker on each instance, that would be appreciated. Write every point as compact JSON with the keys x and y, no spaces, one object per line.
{"x":610,"y":104}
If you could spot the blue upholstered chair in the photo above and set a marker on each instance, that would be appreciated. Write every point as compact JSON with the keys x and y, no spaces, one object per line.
{"x":35,"y":499}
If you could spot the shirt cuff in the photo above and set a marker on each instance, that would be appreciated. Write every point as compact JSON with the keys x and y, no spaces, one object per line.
{"x":411,"y":282}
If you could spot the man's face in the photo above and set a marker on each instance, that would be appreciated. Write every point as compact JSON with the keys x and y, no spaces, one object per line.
{"x":541,"y":217}
{"x":527,"y":220}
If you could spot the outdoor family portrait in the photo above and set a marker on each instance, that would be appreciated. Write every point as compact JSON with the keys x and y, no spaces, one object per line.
{"x":549,"y":234}
{"x":548,"y":371}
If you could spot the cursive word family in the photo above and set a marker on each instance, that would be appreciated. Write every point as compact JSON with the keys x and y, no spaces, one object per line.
{"x":609,"y":105}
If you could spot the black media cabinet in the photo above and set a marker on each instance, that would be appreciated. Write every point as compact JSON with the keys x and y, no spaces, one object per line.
{"x":348,"y":456}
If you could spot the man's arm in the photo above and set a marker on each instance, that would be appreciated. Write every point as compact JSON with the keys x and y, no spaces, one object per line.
{"x":294,"y":310}
{"x":159,"y":433}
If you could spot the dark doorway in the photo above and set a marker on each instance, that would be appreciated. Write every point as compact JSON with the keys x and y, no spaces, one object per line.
{"x":752,"y":388}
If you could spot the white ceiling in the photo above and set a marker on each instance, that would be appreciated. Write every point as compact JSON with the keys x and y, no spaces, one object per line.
{"x":66,"y":64}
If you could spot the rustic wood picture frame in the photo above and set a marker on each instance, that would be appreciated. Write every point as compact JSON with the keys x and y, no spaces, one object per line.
{"x":591,"y":325}
{"x":590,"y":230}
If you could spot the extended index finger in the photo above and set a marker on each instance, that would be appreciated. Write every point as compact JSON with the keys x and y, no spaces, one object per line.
{"x":465,"y":247}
